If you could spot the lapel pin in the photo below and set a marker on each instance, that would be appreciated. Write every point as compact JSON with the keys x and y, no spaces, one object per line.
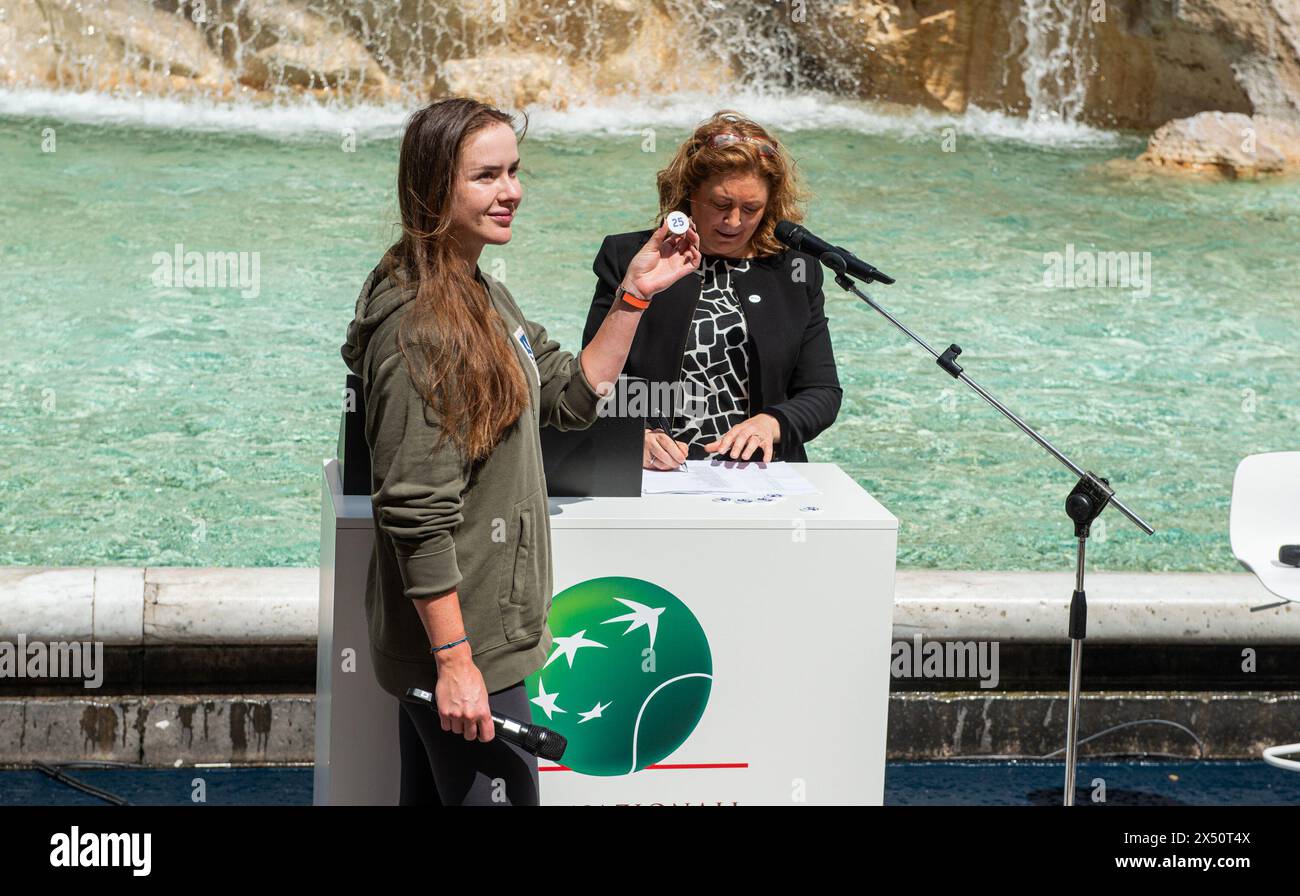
{"x":756,"y":298}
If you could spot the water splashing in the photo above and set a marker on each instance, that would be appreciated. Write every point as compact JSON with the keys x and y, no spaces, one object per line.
{"x":1057,"y":58}
{"x":288,"y":67}
{"x":346,"y":51}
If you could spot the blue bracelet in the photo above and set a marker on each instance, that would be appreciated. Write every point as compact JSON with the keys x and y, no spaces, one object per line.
{"x":451,"y":644}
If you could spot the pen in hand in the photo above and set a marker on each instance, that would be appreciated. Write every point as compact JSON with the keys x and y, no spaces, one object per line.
{"x":668,"y":431}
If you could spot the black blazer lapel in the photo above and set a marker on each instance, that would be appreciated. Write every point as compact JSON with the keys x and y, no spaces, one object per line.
{"x":758,"y":291}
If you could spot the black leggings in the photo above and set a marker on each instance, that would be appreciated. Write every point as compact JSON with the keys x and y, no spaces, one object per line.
{"x":441,"y":768}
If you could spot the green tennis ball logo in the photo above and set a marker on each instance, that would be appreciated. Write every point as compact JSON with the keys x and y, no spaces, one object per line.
{"x":628,"y":676}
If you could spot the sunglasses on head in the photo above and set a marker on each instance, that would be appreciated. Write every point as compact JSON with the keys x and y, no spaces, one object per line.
{"x":726,"y":139}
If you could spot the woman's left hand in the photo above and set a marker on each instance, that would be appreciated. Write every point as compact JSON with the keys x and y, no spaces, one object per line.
{"x":743,"y":439}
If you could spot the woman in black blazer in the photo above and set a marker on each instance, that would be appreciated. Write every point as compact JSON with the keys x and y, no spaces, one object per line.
{"x":754,"y":358}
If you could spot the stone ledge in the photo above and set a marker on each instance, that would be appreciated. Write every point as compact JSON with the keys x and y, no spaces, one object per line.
{"x":255,"y":729}
{"x":1032,"y":726}
{"x":278,"y":605}
{"x":273,"y":729}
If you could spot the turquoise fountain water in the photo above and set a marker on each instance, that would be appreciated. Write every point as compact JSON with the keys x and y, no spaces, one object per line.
{"x":174,"y":425}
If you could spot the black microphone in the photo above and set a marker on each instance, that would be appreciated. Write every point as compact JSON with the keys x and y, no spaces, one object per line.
{"x":541,"y":742}
{"x":797,"y":237}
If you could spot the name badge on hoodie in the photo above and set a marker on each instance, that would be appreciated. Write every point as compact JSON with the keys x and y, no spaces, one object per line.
{"x":523,"y":340}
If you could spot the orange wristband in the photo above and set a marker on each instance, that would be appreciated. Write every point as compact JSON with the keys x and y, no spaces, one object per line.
{"x":627,"y":296}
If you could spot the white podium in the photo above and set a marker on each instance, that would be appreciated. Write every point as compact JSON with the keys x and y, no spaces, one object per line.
{"x":795,"y":597}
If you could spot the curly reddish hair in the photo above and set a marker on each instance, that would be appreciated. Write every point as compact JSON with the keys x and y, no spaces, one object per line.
{"x":757,"y":152}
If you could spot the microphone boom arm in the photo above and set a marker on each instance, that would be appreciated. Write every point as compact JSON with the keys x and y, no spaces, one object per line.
{"x":1085,"y":503}
{"x":948,"y":361}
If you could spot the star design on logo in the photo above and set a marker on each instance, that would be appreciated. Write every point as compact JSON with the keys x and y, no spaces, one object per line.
{"x":546,"y":701}
{"x":594,"y":712}
{"x":641,"y":615}
{"x":570,"y":645}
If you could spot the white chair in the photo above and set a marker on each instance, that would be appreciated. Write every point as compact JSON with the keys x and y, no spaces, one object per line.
{"x":1266,"y":515}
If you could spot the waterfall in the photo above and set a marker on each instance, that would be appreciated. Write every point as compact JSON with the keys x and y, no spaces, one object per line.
{"x":345,"y":51}
{"x":297,"y":65}
{"x":1057,"y":60}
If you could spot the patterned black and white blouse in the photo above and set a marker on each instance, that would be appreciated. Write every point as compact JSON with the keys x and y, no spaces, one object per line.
{"x":715,"y":364}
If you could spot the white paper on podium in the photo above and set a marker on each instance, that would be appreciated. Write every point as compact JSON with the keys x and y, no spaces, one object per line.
{"x":717,"y":477}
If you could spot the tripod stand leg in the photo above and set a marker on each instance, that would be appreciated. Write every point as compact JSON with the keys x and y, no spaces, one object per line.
{"x":1078,"y":631}
{"x":1072,"y":718}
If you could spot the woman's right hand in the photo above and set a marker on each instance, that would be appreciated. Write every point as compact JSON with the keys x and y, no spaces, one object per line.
{"x":661,"y":451}
{"x":462,"y":696}
{"x":663,"y":260}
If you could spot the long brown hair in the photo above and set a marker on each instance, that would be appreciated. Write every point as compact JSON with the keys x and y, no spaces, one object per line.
{"x":454,"y":341}
{"x":757,"y":152}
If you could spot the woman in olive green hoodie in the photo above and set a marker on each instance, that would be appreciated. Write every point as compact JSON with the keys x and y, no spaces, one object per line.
{"x":457,"y":384}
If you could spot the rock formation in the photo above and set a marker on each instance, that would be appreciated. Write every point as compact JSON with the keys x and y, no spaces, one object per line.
{"x":1122,"y":63}
{"x":1226,"y":144}
{"x":1132,"y":64}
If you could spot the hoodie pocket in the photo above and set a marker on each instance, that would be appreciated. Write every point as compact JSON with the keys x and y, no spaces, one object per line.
{"x":523,"y":611}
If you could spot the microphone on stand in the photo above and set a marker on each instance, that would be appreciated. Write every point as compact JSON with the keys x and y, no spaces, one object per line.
{"x":541,"y":742}
{"x":797,"y":237}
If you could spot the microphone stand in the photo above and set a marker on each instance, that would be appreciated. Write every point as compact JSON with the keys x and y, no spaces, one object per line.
{"x":1089,"y":497}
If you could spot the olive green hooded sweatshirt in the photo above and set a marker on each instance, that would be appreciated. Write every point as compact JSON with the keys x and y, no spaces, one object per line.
{"x":443,"y":523}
